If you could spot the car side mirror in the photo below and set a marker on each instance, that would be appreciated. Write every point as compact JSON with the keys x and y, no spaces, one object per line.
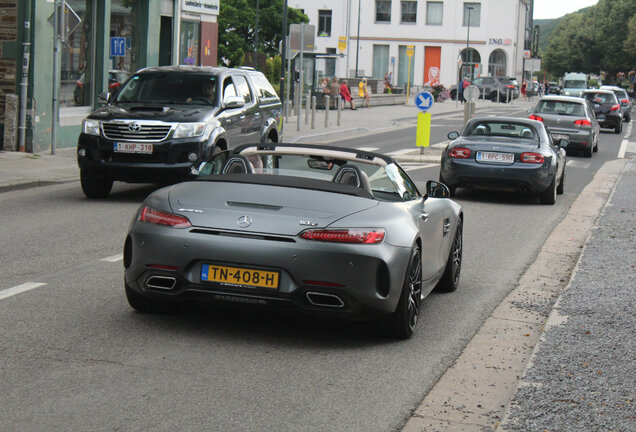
{"x":453,"y":135}
{"x":563,"y":143}
{"x":435,"y":189}
{"x":104,"y":97}
{"x":234,"y":102}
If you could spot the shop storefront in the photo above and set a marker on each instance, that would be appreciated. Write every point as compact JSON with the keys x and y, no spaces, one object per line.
{"x":104,"y":42}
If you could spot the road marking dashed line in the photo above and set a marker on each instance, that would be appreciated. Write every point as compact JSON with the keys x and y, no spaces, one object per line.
{"x":9,"y":292}
{"x":113,"y":258}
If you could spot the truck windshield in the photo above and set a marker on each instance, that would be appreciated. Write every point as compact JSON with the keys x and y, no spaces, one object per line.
{"x":574,"y":84}
{"x":169,"y":88}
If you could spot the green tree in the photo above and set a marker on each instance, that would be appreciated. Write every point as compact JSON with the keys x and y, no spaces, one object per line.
{"x":630,"y":42}
{"x":237,"y":22}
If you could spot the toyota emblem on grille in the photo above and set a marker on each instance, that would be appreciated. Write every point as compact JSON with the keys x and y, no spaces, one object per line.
{"x":134,"y":127}
{"x":244,"y":221}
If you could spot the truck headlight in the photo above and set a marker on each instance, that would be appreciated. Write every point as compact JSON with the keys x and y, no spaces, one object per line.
{"x":91,"y":127}
{"x":189,"y":130}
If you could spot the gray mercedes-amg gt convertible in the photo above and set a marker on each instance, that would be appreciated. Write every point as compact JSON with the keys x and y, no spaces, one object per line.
{"x":320,"y":229}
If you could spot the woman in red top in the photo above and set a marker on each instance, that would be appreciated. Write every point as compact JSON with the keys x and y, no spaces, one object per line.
{"x":346,"y":95}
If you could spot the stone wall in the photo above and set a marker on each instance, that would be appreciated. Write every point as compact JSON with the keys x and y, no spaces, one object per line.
{"x":8,"y":33}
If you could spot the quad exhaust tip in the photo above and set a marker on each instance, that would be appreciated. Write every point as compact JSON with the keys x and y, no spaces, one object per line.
{"x":324,"y":299}
{"x":161,"y":282}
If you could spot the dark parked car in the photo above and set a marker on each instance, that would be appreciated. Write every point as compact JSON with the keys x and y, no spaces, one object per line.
{"x":554,"y":89}
{"x":490,"y":87}
{"x":165,"y":121}
{"x":570,"y":118}
{"x":115,"y":79}
{"x":505,"y":153}
{"x":324,"y":230}
{"x":624,"y":99}
{"x":606,"y":107}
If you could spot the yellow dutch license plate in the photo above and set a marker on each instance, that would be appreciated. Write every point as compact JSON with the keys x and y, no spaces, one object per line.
{"x":239,"y":276}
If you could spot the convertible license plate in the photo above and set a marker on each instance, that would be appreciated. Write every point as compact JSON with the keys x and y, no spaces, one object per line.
{"x":557,"y":137}
{"x":126,"y":147}
{"x":239,"y":276}
{"x":495,"y":157}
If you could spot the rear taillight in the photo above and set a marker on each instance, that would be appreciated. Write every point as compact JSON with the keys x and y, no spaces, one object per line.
{"x":344,"y":235}
{"x":459,"y":153}
{"x":535,"y":158}
{"x":625,"y":101}
{"x":114,"y":86}
{"x":153,"y":216}
{"x":535,"y":117}
{"x":510,"y":86}
{"x":78,"y":83}
{"x":615,"y":107}
{"x":583,"y":123}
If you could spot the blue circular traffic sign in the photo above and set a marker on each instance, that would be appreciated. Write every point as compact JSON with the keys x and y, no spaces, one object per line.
{"x":424,"y":100}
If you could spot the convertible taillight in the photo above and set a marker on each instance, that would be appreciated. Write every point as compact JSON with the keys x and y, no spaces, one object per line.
{"x":459,"y":153}
{"x":154,"y":216}
{"x":583,"y":123}
{"x":529,"y":157}
{"x":360,"y":235}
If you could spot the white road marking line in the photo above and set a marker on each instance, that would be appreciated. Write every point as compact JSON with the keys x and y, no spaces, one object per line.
{"x":19,"y":289}
{"x":369,"y":149}
{"x":578,"y":164}
{"x":113,"y":258}
{"x":624,"y":143}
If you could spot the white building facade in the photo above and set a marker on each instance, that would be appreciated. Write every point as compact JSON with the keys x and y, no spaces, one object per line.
{"x":379,"y":35}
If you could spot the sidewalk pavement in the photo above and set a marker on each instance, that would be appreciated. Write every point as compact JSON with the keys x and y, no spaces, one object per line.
{"x":25,"y":170}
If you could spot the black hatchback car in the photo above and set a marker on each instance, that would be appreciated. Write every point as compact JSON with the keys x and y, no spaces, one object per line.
{"x":163,"y":122}
{"x":606,"y":107}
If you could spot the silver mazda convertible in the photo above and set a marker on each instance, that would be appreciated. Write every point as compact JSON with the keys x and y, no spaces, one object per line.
{"x":324,"y":230}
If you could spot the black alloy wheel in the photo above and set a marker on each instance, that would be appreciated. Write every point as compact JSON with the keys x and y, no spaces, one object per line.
{"x":450,"y":279}
{"x":401,"y":323}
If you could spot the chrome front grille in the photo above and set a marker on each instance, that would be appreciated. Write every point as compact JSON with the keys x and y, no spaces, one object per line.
{"x":136,"y":131}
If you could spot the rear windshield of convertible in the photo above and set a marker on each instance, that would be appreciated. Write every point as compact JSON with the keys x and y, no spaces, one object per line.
{"x":498,"y":128}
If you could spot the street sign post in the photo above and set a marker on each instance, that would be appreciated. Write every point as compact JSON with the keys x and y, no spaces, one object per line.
{"x":424,"y":101}
{"x":410,"y":49}
{"x":117,"y":46}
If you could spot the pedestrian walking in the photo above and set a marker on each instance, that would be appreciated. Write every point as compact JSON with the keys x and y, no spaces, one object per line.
{"x":524,"y":90}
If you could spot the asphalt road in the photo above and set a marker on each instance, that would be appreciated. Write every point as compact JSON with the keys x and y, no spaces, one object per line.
{"x":76,"y":357}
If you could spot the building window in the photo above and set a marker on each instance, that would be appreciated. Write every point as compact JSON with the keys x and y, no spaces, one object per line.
{"x":497,"y":63}
{"x":434,"y":12}
{"x":76,"y":77}
{"x":189,"y":49}
{"x":330,"y":63}
{"x":324,"y":22}
{"x":409,"y":11}
{"x":472,"y":10}
{"x":382,"y":10}
{"x":380,"y":61}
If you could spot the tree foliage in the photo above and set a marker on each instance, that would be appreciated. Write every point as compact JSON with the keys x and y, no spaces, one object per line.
{"x":237,"y":25}
{"x":593,"y":40}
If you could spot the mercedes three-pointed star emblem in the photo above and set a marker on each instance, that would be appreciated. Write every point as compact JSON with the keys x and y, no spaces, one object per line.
{"x":244,"y":221}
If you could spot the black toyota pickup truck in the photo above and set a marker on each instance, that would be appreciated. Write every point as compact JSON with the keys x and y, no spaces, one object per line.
{"x":163,"y":122}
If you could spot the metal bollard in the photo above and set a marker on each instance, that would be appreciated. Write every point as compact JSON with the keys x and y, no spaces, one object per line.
{"x":307,"y":107}
{"x":339,"y":100}
{"x":483,"y":92}
{"x":327,"y":103}
{"x":313,"y":112}
{"x":498,"y":96}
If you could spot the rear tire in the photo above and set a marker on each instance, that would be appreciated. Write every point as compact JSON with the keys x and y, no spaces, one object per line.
{"x":627,"y":118}
{"x":493,"y":97}
{"x":95,"y":187}
{"x":401,"y":323}
{"x":451,"y":189}
{"x":450,"y":279}
{"x":561,"y":186}
{"x":619,"y":128}
{"x":549,"y":195}
{"x":587,"y":153}
{"x":595,"y":149}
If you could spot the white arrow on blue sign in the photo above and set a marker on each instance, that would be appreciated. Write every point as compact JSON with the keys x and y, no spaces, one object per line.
{"x":424,"y":100}
{"x":117,"y":46}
